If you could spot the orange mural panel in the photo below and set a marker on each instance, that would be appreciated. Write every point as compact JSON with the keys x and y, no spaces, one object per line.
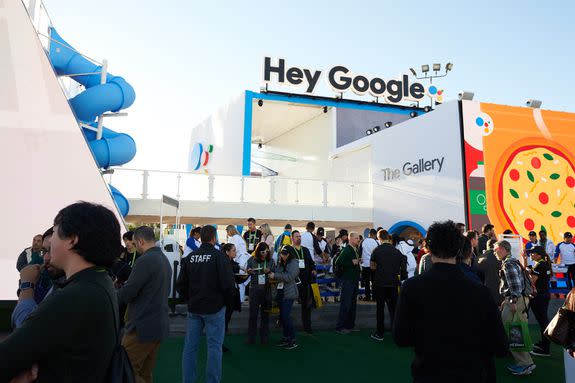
{"x":528,"y":168}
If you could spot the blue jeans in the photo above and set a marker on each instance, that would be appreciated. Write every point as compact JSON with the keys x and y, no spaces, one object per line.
{"x":347,"y":305}
{"x":285,"y":318}
{"x":215,"y":329}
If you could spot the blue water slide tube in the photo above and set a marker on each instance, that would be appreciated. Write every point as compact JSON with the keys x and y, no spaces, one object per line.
{"x":113,"y":149}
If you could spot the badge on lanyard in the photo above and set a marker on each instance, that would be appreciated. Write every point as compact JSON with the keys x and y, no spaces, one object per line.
{"x":251,"y":247}
{"x":280,"y":286}
{"x":301,"y":263}
{"x":261,"y":279}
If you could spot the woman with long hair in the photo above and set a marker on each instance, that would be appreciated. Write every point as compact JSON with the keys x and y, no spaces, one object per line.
{"x":267,"y":235}
{"x":242,"y":256}
{"x":286,"y":274}
{"x":259,"y":266}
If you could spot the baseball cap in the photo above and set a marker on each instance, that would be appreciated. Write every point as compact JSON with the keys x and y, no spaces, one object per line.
{"x":538,"y":250}
{"x":567,"y":235}
{"x":532,"y":233}
{"x":284,"y":250}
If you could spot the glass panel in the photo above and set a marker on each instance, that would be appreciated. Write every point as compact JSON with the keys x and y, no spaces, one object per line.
{"x":162,"y":183}
{"x":257,"y":190}
{"x":194,"y":187}
{"x":128,"y":182}
{"x":227,"y":188}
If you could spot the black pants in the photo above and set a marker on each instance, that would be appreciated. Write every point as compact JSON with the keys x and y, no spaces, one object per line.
{"x":383,"y":296}
{"x":539,"y":305}
{"x":306,"y":303}
{"x":570,"y":276}
{"x":259,"y":305}
{"x":366,"y":280}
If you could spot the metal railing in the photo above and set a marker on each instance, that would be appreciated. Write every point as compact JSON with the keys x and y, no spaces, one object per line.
{"x":190,"y":186}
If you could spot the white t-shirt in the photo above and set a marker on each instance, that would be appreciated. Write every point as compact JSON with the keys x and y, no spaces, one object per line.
{"x":567,"y":252}
{"x":405,"y":249}
{"x":188,"y":250}
{"x":367,"y":247}
{"x":307,"y":242}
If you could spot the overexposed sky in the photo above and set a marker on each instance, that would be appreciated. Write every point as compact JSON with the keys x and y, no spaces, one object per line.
{"x":187,"y":58}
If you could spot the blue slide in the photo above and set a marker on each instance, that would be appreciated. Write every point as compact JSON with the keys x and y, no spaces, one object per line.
{"x":113,"y":149}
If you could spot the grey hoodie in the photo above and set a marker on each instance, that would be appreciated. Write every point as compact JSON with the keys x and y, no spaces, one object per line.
{"x":288,"y":275}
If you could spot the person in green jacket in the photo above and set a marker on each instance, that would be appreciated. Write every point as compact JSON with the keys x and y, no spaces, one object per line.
{"x":348,"y":260}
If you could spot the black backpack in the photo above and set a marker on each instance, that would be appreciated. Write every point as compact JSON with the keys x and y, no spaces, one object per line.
{"x":120,"y":369}
{"x":337,"y":269}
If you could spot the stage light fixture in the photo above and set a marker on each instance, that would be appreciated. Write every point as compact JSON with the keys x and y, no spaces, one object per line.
{"x":436,"y":67}
{"x":368,"y":132}
{"x":427,"y":109}
{"x":468,"y":96}
{"x":388,"y":124}
{"x":535,"y":104}
{"x":413,"y":114}
{"x":425,"y":68}
{"x":325,"y":109}
{"x":413,"y":71}
{"x":376,"y":129}
{"x":260,"y":102}
{"x":260,"y":145}
{"x":448,"y":67}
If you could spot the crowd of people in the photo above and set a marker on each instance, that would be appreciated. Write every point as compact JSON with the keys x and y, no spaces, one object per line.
{"x":84,"y":299}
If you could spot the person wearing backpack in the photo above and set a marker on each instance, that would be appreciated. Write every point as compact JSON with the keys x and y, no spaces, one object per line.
{"x":515,"y":289}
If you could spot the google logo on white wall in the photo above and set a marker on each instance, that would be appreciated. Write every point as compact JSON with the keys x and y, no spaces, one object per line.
{"x":200,"y":156}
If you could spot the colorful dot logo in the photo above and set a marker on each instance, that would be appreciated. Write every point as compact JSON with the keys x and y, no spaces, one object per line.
{"x":200,"y":156}
{"x":485,"y":125}
{"x":435,"y":93}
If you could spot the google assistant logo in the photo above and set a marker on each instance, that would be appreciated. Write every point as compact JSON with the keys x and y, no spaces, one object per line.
{"x":435,"y":93}
{"x":200,"y":156}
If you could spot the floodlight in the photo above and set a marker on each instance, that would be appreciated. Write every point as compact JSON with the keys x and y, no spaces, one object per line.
{"x":413,"y":114}
{"x":325,"y":109}
{"x":463,"y":95}
{"x":436,"y":67}
{"x":368,"y":132}
{"x":425,"y":68}
{"x":260,"y":102}
{"x":535,"y":104}
{"x":427,"y":109}
{"x":413,"y":71}
{"x":388,"y":124}
{"x":448,"y":67}
{"x":376,"y":129}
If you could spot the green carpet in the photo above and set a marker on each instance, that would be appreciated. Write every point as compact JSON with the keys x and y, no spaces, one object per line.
{"x":328,"y":357}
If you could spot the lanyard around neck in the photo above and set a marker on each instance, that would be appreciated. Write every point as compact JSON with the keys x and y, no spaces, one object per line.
{"x":299,"y":253}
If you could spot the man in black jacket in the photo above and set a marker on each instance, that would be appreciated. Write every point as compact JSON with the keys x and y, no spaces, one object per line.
{"x":306,"y":275}
{"x":452,"y":322}
{"x":206,"y":282}
{"x":389,"y":267}
{"x":70,"y":337}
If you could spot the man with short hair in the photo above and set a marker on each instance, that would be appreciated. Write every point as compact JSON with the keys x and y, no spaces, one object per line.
{"x":31,"y":255}
{"x":530,"y":245}
{"x":206,"y":283}
{"x":348,"y":260}
{"x":283,"y":239}
{"x":193,"y":242}
{"x":31,"y":297}
{"x":72,"y":335}
{"x":252,"y":236}
{"x":515,"y":303}
{"x":146,"y":295}
{"x":565,"y":255}
{"x":489,"y":266}
{"x":546,"y":243}
{"x":310,"y":242}
{"x":451,"y":321}
{"x":367,"y":247}
{"x":461,"y":227}
{"x":488,"y":232}
{"x":306,"y":274}
{"x":389,"y":268}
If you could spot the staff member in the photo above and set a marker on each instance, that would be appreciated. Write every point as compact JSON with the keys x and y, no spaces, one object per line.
{"x":565,"y":254}
{"x":206,"y":282}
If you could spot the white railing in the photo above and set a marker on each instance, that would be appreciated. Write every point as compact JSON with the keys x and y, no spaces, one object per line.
{"x":189,"y":186}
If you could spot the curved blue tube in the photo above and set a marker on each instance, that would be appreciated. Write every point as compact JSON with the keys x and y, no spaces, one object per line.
{"x":113,"y":149}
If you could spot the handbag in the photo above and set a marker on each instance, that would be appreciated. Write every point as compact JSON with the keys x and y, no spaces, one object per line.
{"x":517,"y":331}
{"x":120,"y":368}
{"x":560,"y":329}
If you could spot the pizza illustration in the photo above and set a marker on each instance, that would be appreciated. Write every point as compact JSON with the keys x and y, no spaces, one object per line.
{"x":537,"y":191}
